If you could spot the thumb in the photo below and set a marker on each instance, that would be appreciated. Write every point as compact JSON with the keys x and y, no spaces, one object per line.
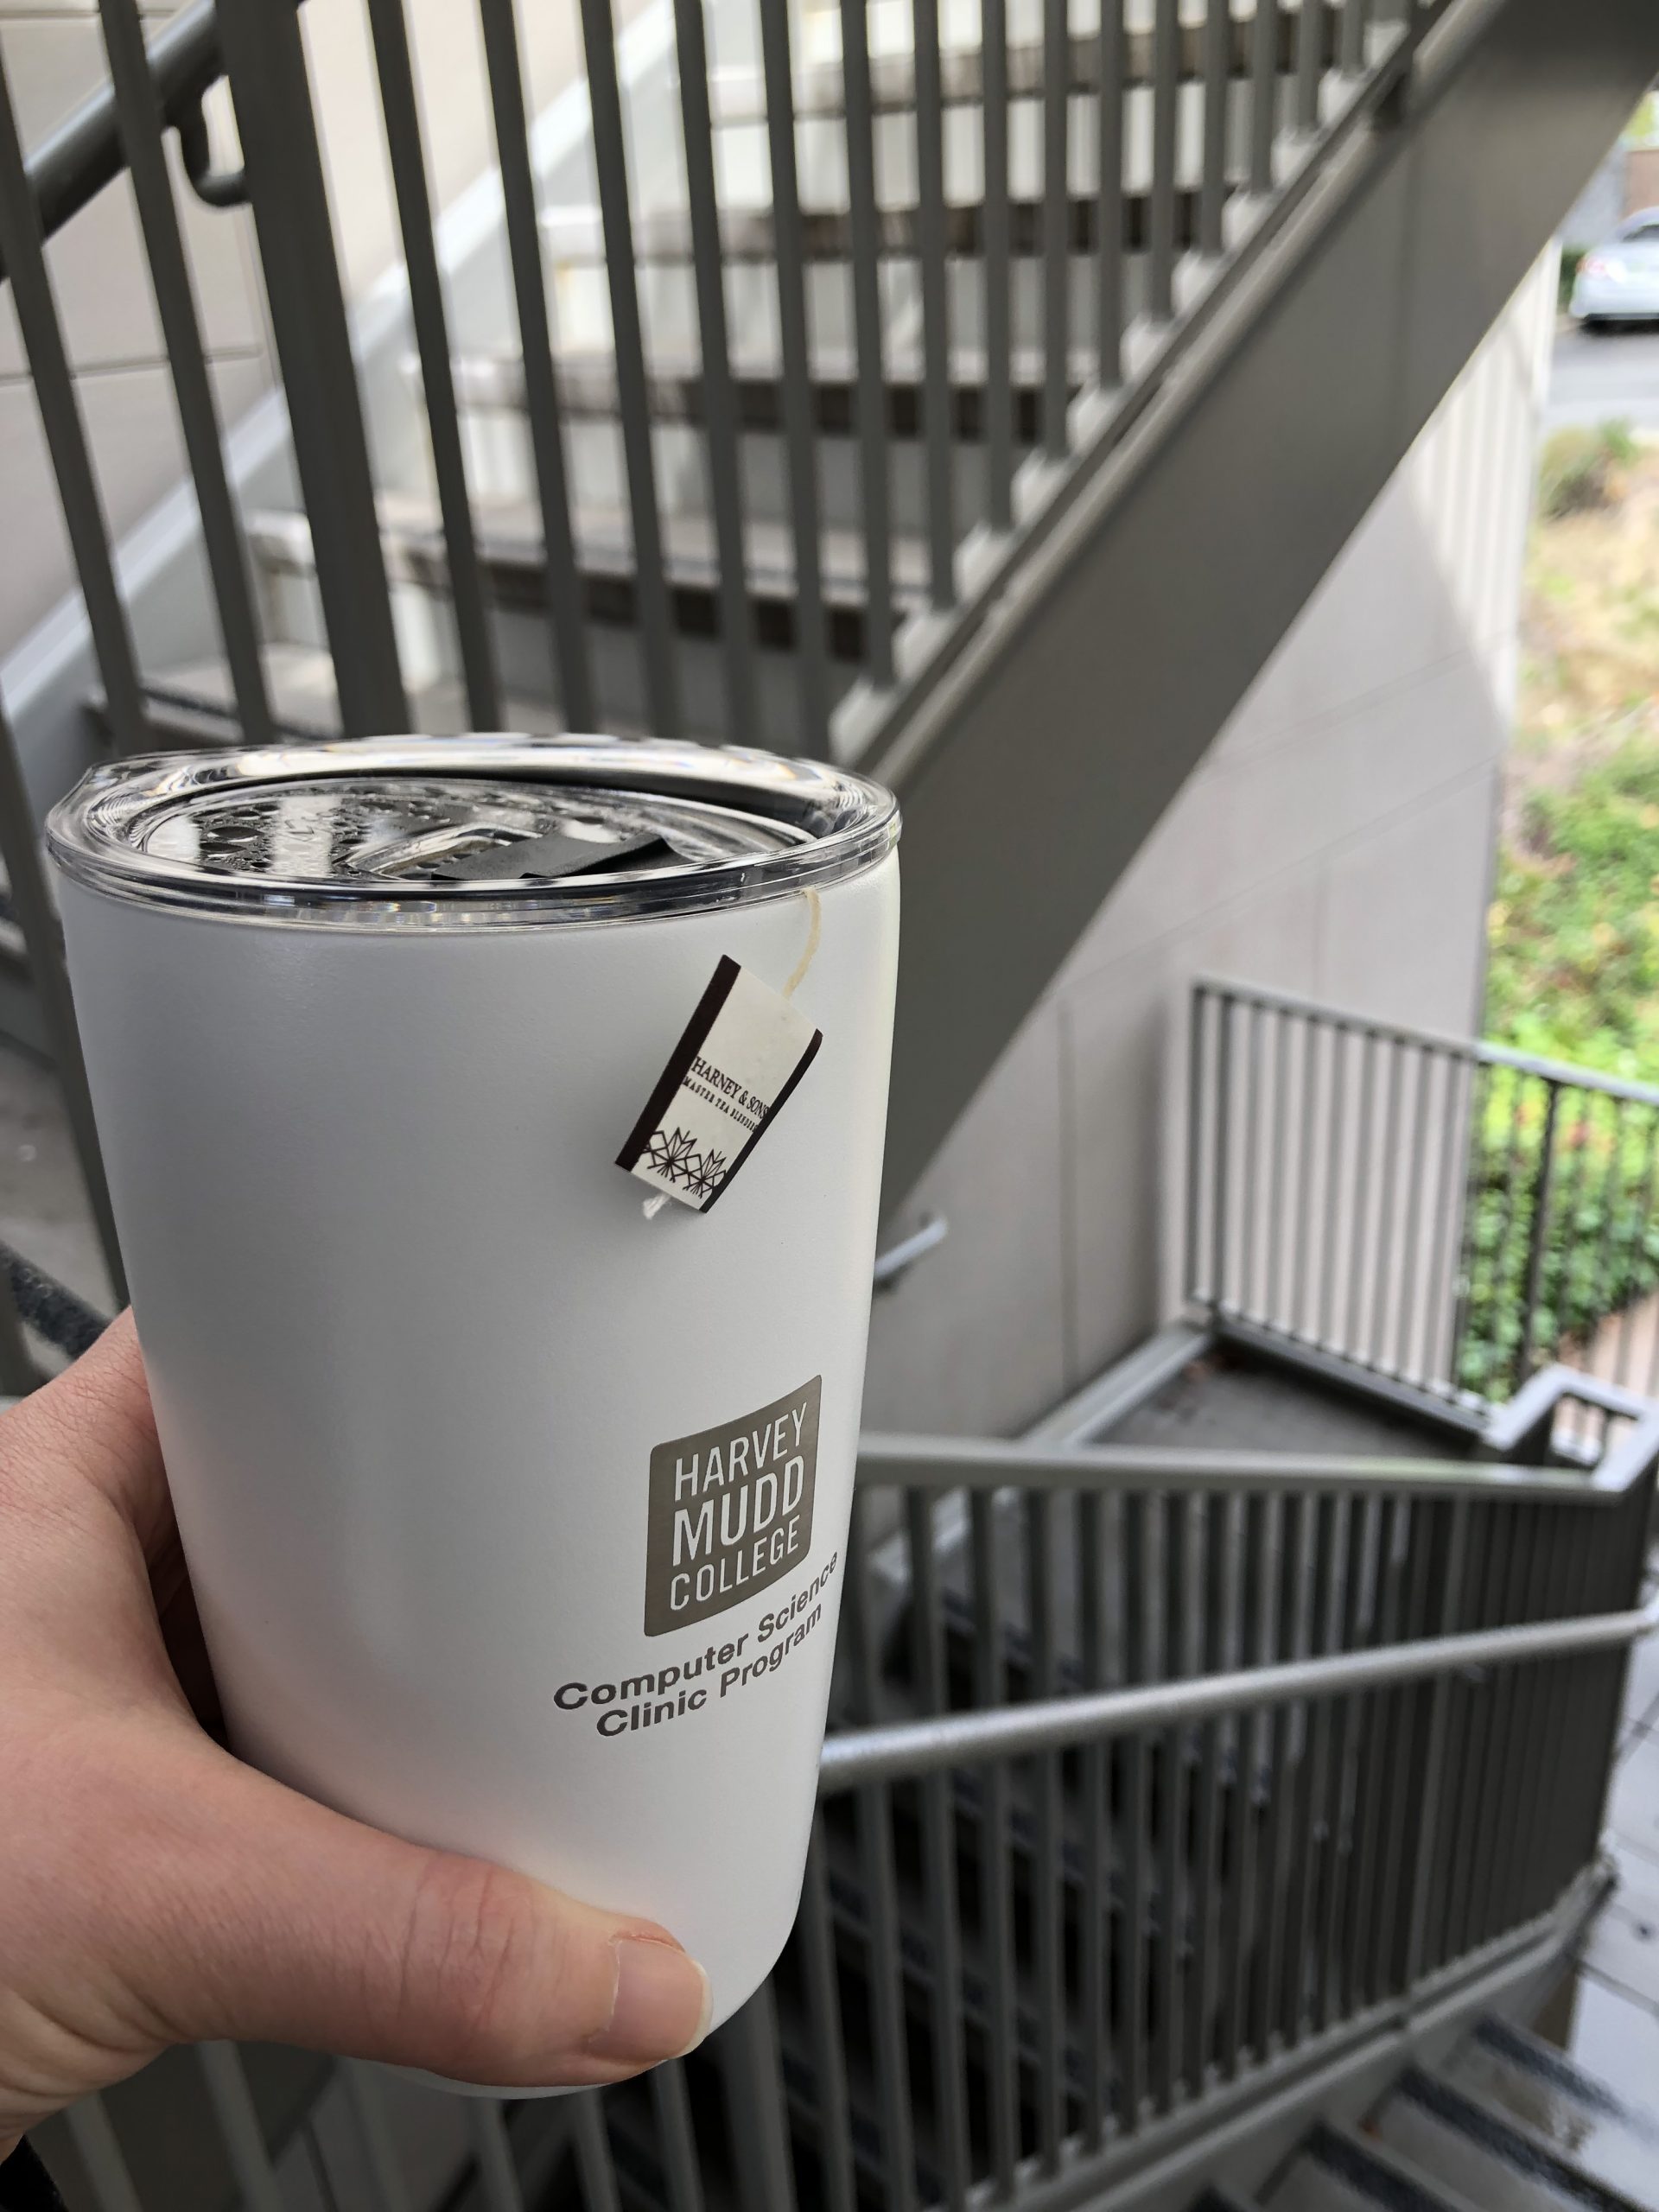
{"x":293,"y":1924}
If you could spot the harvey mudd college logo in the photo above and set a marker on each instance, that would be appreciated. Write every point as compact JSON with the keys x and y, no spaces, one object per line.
{"x":731,"y":1510}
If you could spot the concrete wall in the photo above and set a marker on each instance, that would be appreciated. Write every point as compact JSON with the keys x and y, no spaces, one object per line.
{"x":1337,"y":840}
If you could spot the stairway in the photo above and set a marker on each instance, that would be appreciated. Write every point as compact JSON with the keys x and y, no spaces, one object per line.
{"x":1114,"y":419}
{"x":1506,"y":2124}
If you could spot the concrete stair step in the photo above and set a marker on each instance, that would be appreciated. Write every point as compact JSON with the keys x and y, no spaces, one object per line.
{"x":1494,"y":2161}
{"x":576,"y":238}
{"x":194,"y":705}
{"x":1337,"y":2170}
{"x":1615,"y":2142}
{"x":739,"y":96}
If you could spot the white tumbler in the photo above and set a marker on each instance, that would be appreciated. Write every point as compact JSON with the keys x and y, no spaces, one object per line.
{"x":494,"y":1126}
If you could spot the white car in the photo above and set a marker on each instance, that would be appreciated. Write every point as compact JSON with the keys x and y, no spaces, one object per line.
{"x":1618,"y":281}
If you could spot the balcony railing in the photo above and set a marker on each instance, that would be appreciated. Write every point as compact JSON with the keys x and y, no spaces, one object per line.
{"x":1444,"y":1216}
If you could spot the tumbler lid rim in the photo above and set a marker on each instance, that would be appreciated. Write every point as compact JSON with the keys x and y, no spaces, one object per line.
{"x":734,"y":825}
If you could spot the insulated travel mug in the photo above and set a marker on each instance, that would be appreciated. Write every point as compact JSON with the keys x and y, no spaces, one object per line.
{"x":494,"y":1126}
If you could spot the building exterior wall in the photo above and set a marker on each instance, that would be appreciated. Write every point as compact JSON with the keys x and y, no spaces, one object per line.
{"x":1337,"y":840}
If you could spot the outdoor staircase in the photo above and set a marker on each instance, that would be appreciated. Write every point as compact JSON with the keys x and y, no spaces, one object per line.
{"x":1508,"y":2124}
{"x":1148,"y":408}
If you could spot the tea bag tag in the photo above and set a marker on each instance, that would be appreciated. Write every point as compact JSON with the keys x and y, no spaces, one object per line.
{"x":742,"y":1053}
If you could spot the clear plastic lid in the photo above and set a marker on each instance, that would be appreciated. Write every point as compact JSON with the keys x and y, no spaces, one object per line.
{"x":453,"y":831}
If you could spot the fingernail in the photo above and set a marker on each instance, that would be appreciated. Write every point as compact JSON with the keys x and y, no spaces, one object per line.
{"x":662,"y":2004}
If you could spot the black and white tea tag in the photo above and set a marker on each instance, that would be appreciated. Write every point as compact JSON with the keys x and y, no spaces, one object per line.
{"x":744,"y":1050}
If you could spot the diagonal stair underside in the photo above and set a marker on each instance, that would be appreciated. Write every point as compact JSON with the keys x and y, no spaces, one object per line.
{"x":1090,"y":670}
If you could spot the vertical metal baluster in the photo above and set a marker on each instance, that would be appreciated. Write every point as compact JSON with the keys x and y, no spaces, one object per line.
{"x":1359,"y":1216}
{"x":1364,"y":1517}
{"x":1404,"y":1799}
{"x":999,"y":375}
{"x":1325,"y":1631}
{"x":885,"y":1955}
{"x":1375,"y":1739}
{"x":364,"y":2096}
{"x":566,"y":626}
{"x":939,"y":1858}
{"x":1056,"y":226}
{"x":1602,"y":1292}
{"x":1206,"y":1869}
{"x":1310,"y":62}
{"x":672,"y":2110}
{"x":488,"y":2126}
{"x":1460,"y":1707}
{"x":1576,"y":1134}
{"x":651,"y":591}
{"x":1295,"y":1520}
{"x":238,"y":2123}
{"x":1264,"y":95}
{"x":65,"y":429}
{"x":869,"y":382}
{"x":400,"y":109}
{"x":101,"y":2154}
{"x":995,"y":1904}
{"x":1217,"y":85}
{"x":282,"y":161}
{"x":1108,"y":235}
{"x":1192,"y":1192}
{"x":1046,"y":1892}
{"x":1245,"y":1932}
{"x":1280,"y":1137}
{"x":1467,"y":1899}
{"x":1223,"y":1141}
{"x":1136,"y":1568}
{"x":936,"y":326}
{"x":719,"y":418}
{"x":756,"y":2113}
{"x":1387,"y":1207}
{"x":788,"y":247}
{"x":1355,"y":19}
{"x":36,"y":916}
{"x":1537,"y":1237}
{"x":1468,"y":1255}
{"x":1093,"y":1831}
{"x":1534,"y":1734}
{"x":1640,"y":1215}
{"x":594,"y":2163}
{"x":1177,"y":1620}
{"x":1325,"y":1335}
{"x":1454,"y":1521}
{"x":1498,"y":1286}
{"x":1301,"y":1270}
{"x":1410,"y":1301}
{"x":1252,"y":1180}
{"x":224,"y":545}
{"x":1448,"y":1231}
{"x":1166,"y":86}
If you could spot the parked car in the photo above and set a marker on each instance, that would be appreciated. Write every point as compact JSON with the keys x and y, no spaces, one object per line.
{"x":1618,"y":281}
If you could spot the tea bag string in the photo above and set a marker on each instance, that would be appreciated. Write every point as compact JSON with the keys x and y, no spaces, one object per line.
{"x":814,"y":938}
{"x":654,"y":1205}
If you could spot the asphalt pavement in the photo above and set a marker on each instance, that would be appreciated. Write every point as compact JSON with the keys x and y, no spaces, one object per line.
{"x":1613,"y":376}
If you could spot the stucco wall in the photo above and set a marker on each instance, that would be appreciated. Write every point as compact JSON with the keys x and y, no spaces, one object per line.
{"x":1336,"y":841}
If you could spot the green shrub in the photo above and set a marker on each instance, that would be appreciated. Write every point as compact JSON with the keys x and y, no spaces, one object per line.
{"x":1571,"y":256}
{"x":1581,"y":468}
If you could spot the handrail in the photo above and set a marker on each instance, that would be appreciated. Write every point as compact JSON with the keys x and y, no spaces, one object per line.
{"x":904,"y":1749}
{"x":85,"y":152}
{"x":1477,"y":1050}
{"x":946,"y":1463}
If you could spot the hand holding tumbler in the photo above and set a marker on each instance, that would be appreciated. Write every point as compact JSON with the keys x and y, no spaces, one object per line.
{"x":494,"y":1126}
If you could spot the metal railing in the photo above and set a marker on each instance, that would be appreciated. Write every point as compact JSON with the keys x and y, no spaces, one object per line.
{"x":1158,"y":1780}
{"x":1443,"y":1215}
